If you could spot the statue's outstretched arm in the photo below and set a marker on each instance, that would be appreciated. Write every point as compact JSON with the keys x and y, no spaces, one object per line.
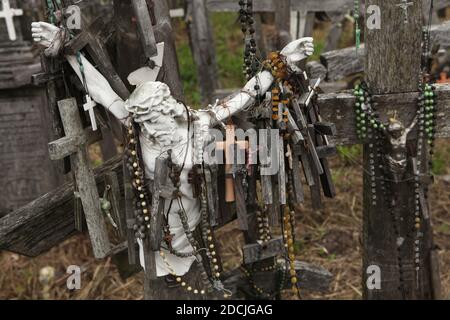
{"x":100,"y":90}
{"x":294,"y":54}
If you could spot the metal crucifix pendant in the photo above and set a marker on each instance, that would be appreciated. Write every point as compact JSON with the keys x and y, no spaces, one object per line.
{"x":89,"y":106}
{"x":404,"y":5}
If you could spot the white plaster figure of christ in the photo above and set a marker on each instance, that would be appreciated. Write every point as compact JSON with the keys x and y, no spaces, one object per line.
{"x":164,"y":126}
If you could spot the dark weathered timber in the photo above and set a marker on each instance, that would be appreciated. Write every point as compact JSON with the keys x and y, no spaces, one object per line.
{"x":164,"y":33}
{"x":240,"y":203}
{"x":311,"y":278}
{"x":84,"y":179}
{"x":316,"y":70}
{"x":344,"y":62}
{"x":283,"y":22}
{"x":145,"y":28}
{"x":48,"y":220}
{"x":133,"y":255}
{"x":271,"y":5}
{"x":157,"y":210}
{"x":127,"y":43}
{"x":92,"y":38}
{"x":335,"y":33}
{"x":338,"y":109}
{"x":256,"y":252}
{"x":393,"y":65}
{"x":18,"y":62}
{"x":26,"y":171}
{"x":202,"y":47}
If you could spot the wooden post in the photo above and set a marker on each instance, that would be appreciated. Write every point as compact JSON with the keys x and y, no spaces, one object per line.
{"x":202,"y":46}
{"x":283,"y":22}
{"x":393,"y":65}
{"x":74,"y":144}
{"x":170,"y":73}
{"x":26,"y":123}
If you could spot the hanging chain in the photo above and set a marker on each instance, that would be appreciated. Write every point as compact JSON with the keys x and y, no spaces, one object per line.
{"x":356,"y":12}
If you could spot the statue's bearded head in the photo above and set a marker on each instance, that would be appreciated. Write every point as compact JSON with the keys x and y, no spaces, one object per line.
{"x":158,"y":113}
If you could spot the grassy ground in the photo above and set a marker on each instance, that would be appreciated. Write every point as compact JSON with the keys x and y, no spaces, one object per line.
{"x":329,"y":238}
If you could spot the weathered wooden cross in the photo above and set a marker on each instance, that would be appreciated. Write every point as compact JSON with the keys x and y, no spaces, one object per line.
{"x":74,"y":145}
{"x":8,"y":14}
{"x":389,"y":83}
{"x":392,"y":75}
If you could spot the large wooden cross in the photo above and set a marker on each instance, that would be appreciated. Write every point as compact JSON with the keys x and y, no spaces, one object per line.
{"x":22,"y":230}
{"x":74,"y":145}
{"x":392,"y":68}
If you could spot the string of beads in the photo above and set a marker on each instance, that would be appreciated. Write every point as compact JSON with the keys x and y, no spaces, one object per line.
{"x":142,"y":202}
{"x":251,"y":63}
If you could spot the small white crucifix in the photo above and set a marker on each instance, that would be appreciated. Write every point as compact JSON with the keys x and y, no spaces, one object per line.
{"x":89,"y":106}
{"x":8,"y":14}
{"x":404,"y":5}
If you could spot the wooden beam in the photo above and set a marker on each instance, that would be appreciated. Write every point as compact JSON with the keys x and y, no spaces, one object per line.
{"x":283,"y":22}
{"x":338,"y":109}
{"x":202,"y":47}
{"x":311,"y":278}
{"x":344,"y":62}
{"x":271,"y":5}
{"x":48,"y":220}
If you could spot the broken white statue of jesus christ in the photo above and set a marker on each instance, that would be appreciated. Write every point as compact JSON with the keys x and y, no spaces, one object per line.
{"x":164,"y":126}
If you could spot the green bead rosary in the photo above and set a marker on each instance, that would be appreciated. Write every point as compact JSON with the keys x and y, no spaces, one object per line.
{"x":366,"y":117}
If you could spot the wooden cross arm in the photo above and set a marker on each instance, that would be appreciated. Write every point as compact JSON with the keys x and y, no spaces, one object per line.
{"x":338,"y":108}
{"x":344,"y":62}
{"x":47,"y":221}
{"x":312,"y":278}
{"x":271,"y":5}
{"x":325,"y":128}
{"x":97,"y":30}
{"x":256,"y":252}
{"x":40,"y":79}
{"x":157,"y":210}
{"x":66,"y":146}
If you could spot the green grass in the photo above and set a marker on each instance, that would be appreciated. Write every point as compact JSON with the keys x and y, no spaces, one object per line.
{"x":319,"y":46}
{"x":350,"y":154}
{"x":229,"y":51}
{"x":441,"y":161}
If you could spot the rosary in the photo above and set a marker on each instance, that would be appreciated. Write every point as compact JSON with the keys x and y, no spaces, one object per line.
{"x":372,"y":130}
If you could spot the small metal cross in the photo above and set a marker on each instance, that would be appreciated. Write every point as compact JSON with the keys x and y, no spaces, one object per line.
{"x":89,"y":106}
{"x":404,"y":5}
{"x":8,"y":14}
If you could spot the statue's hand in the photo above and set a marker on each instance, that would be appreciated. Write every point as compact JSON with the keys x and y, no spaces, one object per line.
{"x":48,"y":36}
{"x":297,"y":51}
{"x":43,"y":33}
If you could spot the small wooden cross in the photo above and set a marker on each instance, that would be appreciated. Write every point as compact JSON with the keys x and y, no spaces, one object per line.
{"x":89,"y":106}
{"x":8,"y":14}
{"x":229,"y":146}
{"x":74,"y":145}
{"x":404,"y":5}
